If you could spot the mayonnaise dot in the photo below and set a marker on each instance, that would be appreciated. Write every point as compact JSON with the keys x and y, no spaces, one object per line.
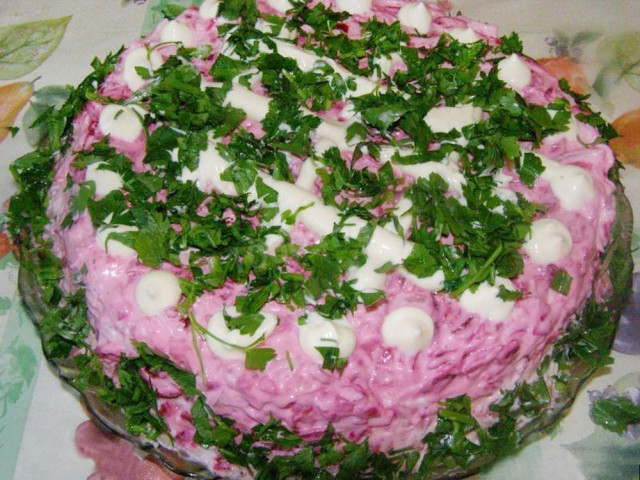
{"x":230,"y":344}
{"x":444,"y":119}
{"x":433,"y":283}
{"x":157,"y":291}
{"x":572,"y":185}
{"x":320,"y":332}
{"x":514,"y":71}
{"x":464,"y":35}
{"x":280,"y":5}
{"x":177,"y":32}
{"x":409,"y":329}
{"x":415,"y":16}
{"x":112,"y":246}
{"x":486,"y":302}
{"x":120,"y":122}
{"x":548,"y":242}
{"x":354,"y":7}
{"x":151,"y":60}
{"x":105,"y":181}
{"x":209,"y":9}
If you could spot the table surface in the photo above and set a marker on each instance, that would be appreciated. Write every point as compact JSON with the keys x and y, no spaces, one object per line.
{"x":45,"y":45}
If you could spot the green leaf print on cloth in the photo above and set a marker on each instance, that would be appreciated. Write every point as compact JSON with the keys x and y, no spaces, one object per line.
{"x":19,"y":359}
{"x":623,"y":63}
{"x":23,"y":47}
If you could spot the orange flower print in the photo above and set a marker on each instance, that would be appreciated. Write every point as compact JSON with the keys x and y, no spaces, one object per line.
{"x":571,"y":70}
{"x":13,"y":97}
{"x":627,"y":145}
{"x":5,"y":244}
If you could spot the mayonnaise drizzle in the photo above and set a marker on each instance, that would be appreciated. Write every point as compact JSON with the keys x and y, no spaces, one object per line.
{"x":443,"y":119}
{"x":207,"y":175}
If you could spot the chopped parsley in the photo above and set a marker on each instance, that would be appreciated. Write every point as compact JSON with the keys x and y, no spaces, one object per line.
{"x":561,"y":282}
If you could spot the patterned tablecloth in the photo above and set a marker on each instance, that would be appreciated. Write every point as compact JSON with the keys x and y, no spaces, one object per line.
{"x":46,"y":44}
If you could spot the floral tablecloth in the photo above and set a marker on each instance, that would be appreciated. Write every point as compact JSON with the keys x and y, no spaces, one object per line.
{"x":44,"y":45}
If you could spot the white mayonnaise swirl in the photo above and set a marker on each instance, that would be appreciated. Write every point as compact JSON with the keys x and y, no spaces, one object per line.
{"x":486,"y":302}
{"x":157,"y":291}
{"x":227,"y":343}
{"x":320,"y":332}
{"x":548,"y":242}
{"x":410,"y":329}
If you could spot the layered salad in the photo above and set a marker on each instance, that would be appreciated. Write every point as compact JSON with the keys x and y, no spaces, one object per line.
{"x":330,"y":238}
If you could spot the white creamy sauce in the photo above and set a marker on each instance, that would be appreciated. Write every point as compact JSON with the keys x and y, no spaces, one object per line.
{"x":548,"y":242}
{"x":207,"y":175}
{"x":280,"y":5}
{"x":572,"y":133}
{"x":229,"y":344}
{"x":366,"y":278}
{"x":501,"y":191}
{"x":142,"y":57}
{"x":256,"y":106}
{"x":410,"y":329}
{"x":112,"y":246}
{"x":434,"y":283}
{"x":320,"y":332}
{"x":209,"y":9}
{"x":364,"y":86}
{"x":571,"y":184}
{"x":330,"y":133}
{"x":306,"y":60}
{"x":354,"y":7}
{"x":177,"y":32}
{"x":514,"y":71}
{"x":120,"y":122}
{"x":506,"y":195}
{"x":485,"y":301}
{"x":157,"y":291}
{"x":386,"y":63}
{"x":322,"y":144}
{"x":307,"y":175}
{"x":444,"y":119}
{"x":105,"y":181}
{"x":404,"y":216}
{"x":416,"y":17}
{"x":384,"y":245}
{"x":464,"y":35}
{"x":447,"y":169}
